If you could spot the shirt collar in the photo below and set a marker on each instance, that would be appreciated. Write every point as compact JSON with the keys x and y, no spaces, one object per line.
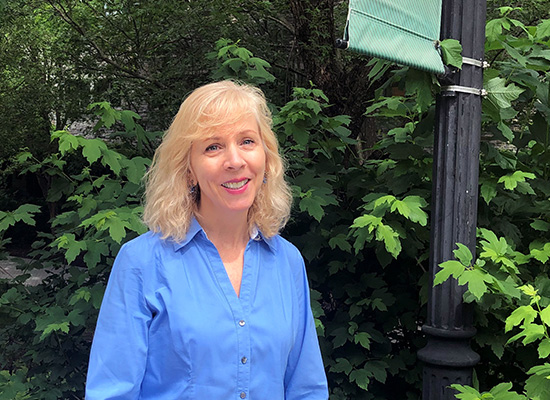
{"x":195,"y":228}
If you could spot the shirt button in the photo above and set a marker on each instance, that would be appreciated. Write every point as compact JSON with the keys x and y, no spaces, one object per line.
{"x":244,"y":360}
{"x":241,"y":323}
{"x":243,"y":395}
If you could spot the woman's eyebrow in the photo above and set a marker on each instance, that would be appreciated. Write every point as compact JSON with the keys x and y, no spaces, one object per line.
{"x":210,"y":138}
{"x":249,"y":131}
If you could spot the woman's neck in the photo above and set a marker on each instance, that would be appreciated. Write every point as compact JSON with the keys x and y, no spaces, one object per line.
{"x":226,"y":232}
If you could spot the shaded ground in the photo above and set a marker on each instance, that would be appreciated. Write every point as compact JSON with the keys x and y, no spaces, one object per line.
{"x":9,"y":270}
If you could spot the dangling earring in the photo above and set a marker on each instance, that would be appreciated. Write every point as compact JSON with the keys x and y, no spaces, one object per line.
{"x":193,"y":187}
{"x":265,"y":179}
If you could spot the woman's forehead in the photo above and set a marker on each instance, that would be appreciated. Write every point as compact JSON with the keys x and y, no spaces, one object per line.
{"x":245,"y":124}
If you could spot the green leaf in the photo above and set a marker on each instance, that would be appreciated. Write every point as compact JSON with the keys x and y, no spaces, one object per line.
{"x":135,"y":168}
{"x":313,"y":207}
{"x":541,"y":370}
{"x":523,"y":313}
{"x":540,"y":225}
{"x":496,"y":249}
{"x":361,"y":377}
{"x":475,"y":279}
{"x":82,"y":293}
{"x":387,"y":199}
{"x":418,"y":84}
{"x":73,"y":247}
{"x":24,"y":213}
{"x":362,"y":236}
{"x":88,"y":205}
{"x":379,"y":304}
{"x":463,"y":254}
{"x":341,"y":242}
{"x":451,"y":51}
{"x":508,"y":287}
{"x":95,"y":249}
{"x":466,"y":392}
{"x":367,"y":220}
{"x":128,"y":118}
{"x":363,"y":338}
{"x":543,"y":29}
{"x":14,"y":386}
{"x":500,"y":94}
{"x":108,"y":114}
{"x":11,"y":296}
{"x":23,"y":157}
{"x":411,"y":207}
{"x":341,"y":336}
{"x":511,"y":180}
{"x":377,"y":369}
{"x":448,"y":268}
{"x":52,"y":321}
{"x":342,"y":365}
{"x":97,"y":293}
{"x":92,"y":148}
{"x":115,"y":221}
{"x":544,"y":348}
{"x":112,"y":160}
{"x":545,"y":315}
{"x":493,"y":29}
{"x":62,"y":326}
{"x":541,"y":254}
{"x":488,"y":190}
{"x":76,"y":318}
{"x":67,"y":142}
{"x":532,"y":333}
{"x":529,"y":290}
{"x":503,"y":392}
{"x":390,"y":238}
{"x":537,"y":387}
{"x":506,"y":131}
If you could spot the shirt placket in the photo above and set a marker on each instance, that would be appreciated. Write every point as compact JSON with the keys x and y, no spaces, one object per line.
{"x":240,"y":310}
{"x":243,"y":331}
{"x":243,"y":375}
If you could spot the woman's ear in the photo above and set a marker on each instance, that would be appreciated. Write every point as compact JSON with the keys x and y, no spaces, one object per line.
{"x":191,"y":181}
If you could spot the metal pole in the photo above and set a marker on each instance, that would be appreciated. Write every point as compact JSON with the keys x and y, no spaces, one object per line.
{"x":447,"y":356}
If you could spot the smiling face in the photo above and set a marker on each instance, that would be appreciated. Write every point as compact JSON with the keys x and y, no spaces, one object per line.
{"x":229,"y":167}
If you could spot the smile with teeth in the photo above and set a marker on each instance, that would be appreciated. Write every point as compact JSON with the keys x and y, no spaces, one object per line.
{"x":235,"y":185}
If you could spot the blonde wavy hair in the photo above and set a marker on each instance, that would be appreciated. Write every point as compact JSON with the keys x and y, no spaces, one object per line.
{"x":169,"y":203}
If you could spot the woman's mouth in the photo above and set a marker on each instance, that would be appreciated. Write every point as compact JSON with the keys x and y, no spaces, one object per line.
{"x":235,"y":185}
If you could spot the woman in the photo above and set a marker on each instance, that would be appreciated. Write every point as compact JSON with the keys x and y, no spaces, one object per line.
{"x":211,"y":303}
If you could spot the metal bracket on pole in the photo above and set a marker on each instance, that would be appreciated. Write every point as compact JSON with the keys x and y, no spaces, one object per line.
{"x":475,"y":63}
{"x":342,"y":44}
{"x":452,"y":89}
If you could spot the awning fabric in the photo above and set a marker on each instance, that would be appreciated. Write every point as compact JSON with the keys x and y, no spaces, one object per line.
{"x":403,"y":31}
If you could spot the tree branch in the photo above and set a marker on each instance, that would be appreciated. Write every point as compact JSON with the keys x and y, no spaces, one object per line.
{"x":102,"y":55}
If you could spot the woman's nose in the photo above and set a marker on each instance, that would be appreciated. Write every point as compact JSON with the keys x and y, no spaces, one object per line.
{"x":234,"y":158}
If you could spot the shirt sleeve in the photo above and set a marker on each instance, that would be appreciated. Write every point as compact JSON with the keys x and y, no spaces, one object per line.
{"x":305,"y":377}
{"x":119,"y":350}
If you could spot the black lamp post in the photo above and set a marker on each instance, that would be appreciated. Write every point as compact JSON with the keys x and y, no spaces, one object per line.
{"x":447,"y":356}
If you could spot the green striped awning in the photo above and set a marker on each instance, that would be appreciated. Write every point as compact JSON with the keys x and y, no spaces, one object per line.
{"x":403,"y":31}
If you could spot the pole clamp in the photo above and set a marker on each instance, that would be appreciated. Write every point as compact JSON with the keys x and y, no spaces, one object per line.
{"x":475,"y":63}
{"x":462,"y":89}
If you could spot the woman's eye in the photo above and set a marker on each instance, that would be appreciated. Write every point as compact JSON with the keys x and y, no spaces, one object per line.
{"x":248,"y":141}
{"x":212,"y":147}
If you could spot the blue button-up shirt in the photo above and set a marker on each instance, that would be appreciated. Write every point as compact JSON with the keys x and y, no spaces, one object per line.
{"x":172,"y":327}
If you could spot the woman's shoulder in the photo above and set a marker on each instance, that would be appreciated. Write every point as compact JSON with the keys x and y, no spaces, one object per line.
{"x":283,"y":248}
{"x":145,"y":248}
{"x":144,"y":242}
{"x":279,"y":243}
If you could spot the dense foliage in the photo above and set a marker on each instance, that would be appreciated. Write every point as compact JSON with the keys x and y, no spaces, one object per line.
{"x":360,"y":219}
